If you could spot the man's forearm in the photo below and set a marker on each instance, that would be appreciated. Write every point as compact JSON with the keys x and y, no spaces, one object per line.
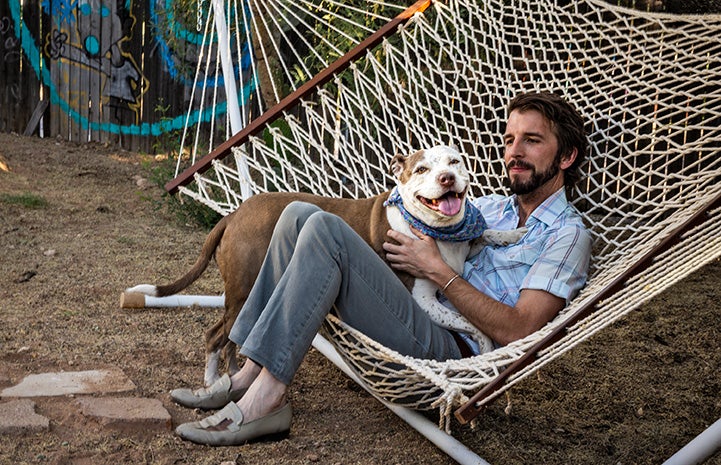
{"x":496,"y":320}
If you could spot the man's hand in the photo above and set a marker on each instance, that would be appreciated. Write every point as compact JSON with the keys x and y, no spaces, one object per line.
{"x":419,"y":257}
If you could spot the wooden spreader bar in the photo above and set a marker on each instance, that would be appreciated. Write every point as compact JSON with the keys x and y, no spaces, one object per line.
{"x":303,"y":91}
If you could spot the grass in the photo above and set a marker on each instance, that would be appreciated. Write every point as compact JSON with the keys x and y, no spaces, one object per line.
{"x":26,"y":200}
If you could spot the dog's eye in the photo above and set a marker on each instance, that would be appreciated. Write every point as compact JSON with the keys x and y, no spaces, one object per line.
{"x":421,"y":170}
{"x":454,"y":162}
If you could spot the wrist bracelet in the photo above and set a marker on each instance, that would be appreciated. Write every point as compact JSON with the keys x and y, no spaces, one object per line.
{"x":450,"y":281}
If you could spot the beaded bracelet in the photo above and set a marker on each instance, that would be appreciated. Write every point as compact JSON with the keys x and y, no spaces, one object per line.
{"x":455,"y":276}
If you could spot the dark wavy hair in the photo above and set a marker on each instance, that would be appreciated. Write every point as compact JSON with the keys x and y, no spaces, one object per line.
{"x":566,"y":123}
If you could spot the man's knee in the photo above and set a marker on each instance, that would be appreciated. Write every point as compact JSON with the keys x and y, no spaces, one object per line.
{"x":296,"y":214}
{"x":313,"y":220}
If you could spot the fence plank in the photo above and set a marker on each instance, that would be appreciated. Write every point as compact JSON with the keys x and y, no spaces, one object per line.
{"x":30,"y":87}
{"x":9,"y":69}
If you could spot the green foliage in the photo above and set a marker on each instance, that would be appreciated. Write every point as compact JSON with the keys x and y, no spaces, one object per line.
{"x":344,"y":17}
{"x":276,"y":130}
{"x":27,"y":200}
{"x":279,"y":124}
{"x":162,"y":170}
{"x":168,"y":141}
{"x":172,"y":19}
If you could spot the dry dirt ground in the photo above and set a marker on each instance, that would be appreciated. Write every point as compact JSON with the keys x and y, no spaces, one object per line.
{"x":633,"y":395}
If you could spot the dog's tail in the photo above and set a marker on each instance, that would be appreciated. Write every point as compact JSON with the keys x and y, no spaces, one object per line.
{"x":206,"y":254}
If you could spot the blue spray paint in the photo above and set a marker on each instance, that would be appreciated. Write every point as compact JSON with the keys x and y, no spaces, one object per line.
{"x":184,"y":35}
{"x":63,"y":12}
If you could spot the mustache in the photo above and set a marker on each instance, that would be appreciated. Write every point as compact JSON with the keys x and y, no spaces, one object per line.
{"x":520,"y":164}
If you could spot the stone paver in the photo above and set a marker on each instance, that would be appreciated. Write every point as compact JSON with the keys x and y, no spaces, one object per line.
{"x":70,"y":382}
{"x":18,"y":416}
{"x":127,"y":412}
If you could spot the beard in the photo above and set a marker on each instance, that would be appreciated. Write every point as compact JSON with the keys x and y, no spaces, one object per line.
{"x":536,"y":180}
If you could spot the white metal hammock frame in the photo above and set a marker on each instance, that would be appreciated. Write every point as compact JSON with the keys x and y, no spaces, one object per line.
{"x":649,"y":85}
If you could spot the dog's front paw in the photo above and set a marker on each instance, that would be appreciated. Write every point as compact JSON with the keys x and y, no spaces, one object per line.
{"x":503,"y":238}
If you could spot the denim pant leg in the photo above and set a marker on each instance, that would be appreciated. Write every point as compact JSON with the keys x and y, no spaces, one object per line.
{"x":315,"y":261}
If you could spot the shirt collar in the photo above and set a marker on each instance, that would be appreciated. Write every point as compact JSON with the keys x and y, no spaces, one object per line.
{"x":552,"y":207}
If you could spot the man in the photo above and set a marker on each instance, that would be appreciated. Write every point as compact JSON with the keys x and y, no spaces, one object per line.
{"x":316,"y":262}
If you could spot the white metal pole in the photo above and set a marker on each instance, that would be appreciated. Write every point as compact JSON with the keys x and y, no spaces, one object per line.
{"x":231,"y":90}
{"x":447,"y":443}
{"x":700,"y":448}
{"x":139,"y":300}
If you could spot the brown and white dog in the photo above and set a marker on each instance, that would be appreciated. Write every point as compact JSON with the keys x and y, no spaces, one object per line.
{"x":433,"y":185}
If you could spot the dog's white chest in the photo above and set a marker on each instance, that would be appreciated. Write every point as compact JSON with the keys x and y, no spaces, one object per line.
{"x":424,"y":291}
{"x":453,"y":253}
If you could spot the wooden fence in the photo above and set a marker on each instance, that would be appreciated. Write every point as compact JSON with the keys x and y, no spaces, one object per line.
{"x":116,"y":71}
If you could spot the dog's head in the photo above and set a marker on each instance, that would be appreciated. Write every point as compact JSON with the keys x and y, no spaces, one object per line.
{"x":433,"y":184}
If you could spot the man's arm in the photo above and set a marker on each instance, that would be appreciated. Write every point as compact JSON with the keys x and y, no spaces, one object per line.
{"x":500,"y":322}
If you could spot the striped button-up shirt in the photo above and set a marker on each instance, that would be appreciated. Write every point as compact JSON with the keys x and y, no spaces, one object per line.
{"x":553,"y":256}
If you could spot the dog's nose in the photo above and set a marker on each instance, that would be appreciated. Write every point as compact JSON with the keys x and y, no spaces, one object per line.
{"x":446,"y":179}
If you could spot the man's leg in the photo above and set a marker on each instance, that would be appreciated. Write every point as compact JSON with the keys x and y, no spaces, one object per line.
{"x":316,"y":261}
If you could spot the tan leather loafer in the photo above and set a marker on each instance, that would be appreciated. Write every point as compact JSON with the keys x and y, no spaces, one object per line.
{"x":227,"y":428}
{"x":215,"y":396}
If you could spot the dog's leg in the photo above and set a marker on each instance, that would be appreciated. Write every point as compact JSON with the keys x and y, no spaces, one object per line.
{"x":230,"y":354}
{"x":215,"y":340}
{"x":424,"y":292}
{"x":504,"y":238}
{"x":496,"y":237}
{"x":214,"y":351}
{"x":212,"y":360}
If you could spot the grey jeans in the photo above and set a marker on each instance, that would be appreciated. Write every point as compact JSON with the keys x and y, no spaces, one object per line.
{"x":316,"y":261}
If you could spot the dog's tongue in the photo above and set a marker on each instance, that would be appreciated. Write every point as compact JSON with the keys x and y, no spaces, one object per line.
{"x":450,"y":205}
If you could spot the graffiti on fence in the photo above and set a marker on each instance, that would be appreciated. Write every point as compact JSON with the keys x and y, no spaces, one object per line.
{"x":91,"y":35}
{"x":100,"y":27}
{"x":178,"y":33}
{"x":10,"y":52}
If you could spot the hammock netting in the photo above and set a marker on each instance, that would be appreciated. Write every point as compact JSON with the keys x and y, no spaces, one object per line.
{"x":648,"y":84}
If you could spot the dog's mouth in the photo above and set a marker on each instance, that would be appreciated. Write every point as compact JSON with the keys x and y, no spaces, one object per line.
{"x":448,"y":204}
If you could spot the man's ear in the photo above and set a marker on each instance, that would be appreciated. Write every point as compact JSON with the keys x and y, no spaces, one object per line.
{"x":567,"y":160}
{"x":397,"y":165}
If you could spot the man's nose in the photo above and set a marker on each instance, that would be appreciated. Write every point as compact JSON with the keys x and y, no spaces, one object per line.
{"x":513,"y":153}
{"x":513,"y":149}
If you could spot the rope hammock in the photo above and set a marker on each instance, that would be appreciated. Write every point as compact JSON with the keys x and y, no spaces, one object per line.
{"x":648,"y":84}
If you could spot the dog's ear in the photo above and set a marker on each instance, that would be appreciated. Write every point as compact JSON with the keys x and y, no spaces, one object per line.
{"x":397,"y":164}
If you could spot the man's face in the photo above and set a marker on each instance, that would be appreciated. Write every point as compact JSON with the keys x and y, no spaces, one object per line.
{"x":531,"y":153}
